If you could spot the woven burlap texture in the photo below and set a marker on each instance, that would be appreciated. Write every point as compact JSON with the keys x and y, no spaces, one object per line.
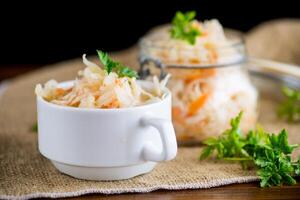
{"x":25,"y":173}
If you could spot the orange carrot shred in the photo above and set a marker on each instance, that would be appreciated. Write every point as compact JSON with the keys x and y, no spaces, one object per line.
{"x":196,"y":105}
{"x":201,"y":73}
{"x":177,"y":115}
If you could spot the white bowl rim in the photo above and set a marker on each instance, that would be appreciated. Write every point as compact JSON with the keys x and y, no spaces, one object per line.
{"x":78,"y":109}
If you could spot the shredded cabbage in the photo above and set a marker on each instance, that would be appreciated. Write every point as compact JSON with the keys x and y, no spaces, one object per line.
{"x":95,"y":88}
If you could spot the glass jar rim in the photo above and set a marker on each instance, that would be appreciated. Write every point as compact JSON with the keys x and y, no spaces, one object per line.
{"x":236,"y":41}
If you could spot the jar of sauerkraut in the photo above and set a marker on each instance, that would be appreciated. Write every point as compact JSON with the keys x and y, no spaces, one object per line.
{"x":209,"y":80}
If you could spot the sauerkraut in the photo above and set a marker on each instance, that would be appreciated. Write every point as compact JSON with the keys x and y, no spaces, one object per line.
{"x":96,"y":88}
{"x":211,"y":47}
{"x":205,"y":100}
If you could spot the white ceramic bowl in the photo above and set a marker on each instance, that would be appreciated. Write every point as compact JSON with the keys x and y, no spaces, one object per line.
{"x":106,"y":144}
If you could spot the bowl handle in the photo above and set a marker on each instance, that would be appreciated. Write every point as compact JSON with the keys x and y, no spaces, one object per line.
{"x":168,"y":138}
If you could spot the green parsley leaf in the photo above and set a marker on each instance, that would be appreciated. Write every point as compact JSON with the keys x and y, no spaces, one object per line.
{"x":274,"y":161}
{"x":270,"y":153}
{"x":280,"y":142}
{"x":296,"y":166}
{"x":182,"y":27}
{"x":289,"y":109}
{"x":113,"y":66}
{"x":207,"y":151}
{"x":229,"y":144}
{"x":34,"y":127}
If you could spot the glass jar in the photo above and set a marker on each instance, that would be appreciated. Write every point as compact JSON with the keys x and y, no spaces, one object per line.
{"x":209,"y":85}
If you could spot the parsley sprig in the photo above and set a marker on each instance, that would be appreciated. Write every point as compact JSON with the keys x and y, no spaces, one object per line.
{"x":34,"y":127}
{"x":289,"y":109}
{"x":113,"y":66}
{"x":269,"y":153}
{"x":182,"y":27}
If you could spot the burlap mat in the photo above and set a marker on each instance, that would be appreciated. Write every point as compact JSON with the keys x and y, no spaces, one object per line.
{"x":24,"y":173}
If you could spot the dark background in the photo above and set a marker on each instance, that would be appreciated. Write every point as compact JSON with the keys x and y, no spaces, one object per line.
{"x":49,"y":32}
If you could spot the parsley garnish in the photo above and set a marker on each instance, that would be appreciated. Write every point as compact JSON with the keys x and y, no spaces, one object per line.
{"x":113,"y":66}
{"x":289,"y":109}
{"x":182,"y":27}
{"x":34,"y":127}
{"x":269,"y":153}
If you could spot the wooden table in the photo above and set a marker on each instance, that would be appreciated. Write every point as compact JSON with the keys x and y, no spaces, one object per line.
{"x":234,"y":191}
